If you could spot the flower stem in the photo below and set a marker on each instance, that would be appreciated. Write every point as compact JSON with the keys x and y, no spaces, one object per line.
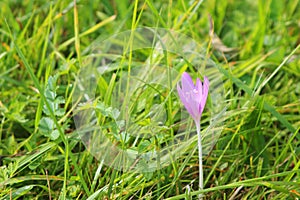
{"x":200,"y":158}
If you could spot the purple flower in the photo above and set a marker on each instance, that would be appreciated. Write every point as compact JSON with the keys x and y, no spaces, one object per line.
{"x":193,"y":96}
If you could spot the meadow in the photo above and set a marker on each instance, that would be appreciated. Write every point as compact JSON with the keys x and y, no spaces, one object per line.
{"x":89,"y":107}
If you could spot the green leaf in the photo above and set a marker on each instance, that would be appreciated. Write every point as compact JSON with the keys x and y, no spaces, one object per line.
{"x":54,"y":135}
{"x":102,"y":108}
{"x":46,"y":126}
{"x":115,"y":113}
{"x":19,"y":192}
{"x":144,"y":145}
{"x":52,"y":82}
{"x":52,"y":98}
{"x":108,"y":111}
{"x":35,"y":163}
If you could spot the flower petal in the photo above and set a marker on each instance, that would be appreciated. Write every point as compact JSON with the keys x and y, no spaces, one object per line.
{"x":199,"y":90}
{"x":186,"y":101}
{"x":194,"y":105}
{"x":187,"y":82}
{"x":205,"y":92}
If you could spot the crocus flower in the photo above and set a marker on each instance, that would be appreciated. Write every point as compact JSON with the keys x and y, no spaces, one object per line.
{"x":193,"y":96}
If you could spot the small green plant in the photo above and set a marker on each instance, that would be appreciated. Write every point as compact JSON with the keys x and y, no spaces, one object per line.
{"x":47,"y":126}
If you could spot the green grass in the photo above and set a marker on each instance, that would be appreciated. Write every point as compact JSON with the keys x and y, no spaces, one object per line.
{"x":255,"y":48}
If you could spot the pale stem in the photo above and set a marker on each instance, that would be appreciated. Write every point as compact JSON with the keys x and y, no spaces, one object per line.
{"x":200,"y":158}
